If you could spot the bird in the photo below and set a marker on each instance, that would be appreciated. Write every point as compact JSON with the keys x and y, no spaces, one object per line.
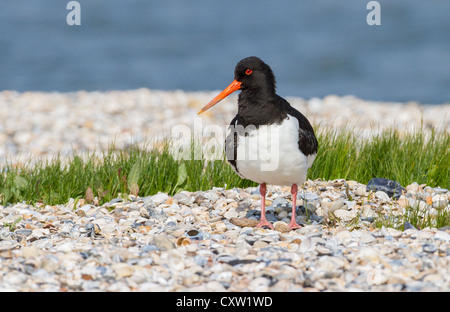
{"x":270,"y":142}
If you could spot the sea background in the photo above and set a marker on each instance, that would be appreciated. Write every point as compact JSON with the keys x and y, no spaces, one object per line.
{"x":315,"y":48}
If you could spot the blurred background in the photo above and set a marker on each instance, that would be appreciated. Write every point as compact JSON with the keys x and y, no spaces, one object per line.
{"x":315,"y":48}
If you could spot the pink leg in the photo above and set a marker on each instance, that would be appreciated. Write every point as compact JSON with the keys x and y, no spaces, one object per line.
{"x":293,"y":225}
{"x":263,"y":221}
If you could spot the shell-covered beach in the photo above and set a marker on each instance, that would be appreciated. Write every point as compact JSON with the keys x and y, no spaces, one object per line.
{"x":206,"y":240}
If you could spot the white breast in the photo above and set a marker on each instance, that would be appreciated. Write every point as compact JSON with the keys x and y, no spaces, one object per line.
{"x":270,"y":154}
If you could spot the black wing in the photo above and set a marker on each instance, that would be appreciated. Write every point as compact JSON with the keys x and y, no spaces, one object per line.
{"x":307,"y":141}
{"x":231,"y":144}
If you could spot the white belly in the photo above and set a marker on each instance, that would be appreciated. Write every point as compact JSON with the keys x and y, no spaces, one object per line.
{"x":270,"y":154}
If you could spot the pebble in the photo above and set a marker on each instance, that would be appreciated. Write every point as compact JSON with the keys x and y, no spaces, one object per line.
{"x":122,"y":270}
{"x":367,"y":212}
{"x":162,"y":242}
{"x":382,"y":196}
{"x":368,"y":255}
{"x":430,"y":248}
{"x":159,"y":198}
{"x":281,"y":226}
{"x":439,"y":201}
{"x":444,"y":236}
{"x":391,"y":232}
{"x":345,"y":215}
{"x":390,"y":187}
{"x":338,"y":204}
{"x":361,"y":191}
{"x":364,"y":237}
{"x":343,"y":236}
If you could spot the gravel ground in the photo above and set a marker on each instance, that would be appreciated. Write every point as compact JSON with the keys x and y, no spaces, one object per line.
{"x":205,"y":241}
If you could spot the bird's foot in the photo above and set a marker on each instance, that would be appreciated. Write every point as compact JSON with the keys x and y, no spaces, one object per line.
{"x":294,"y":225}
{"x":264,"y":223}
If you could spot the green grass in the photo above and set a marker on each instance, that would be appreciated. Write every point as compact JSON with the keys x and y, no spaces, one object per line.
{"x":419,"y":218}
{"x":414,"y":156}
{"x":114,"y":173}
{"x":406,"y":158}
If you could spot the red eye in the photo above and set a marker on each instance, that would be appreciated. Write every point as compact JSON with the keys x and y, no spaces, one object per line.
{"x":248,"y":72}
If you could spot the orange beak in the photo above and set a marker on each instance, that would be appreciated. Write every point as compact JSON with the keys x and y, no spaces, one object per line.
{"x":234,"y":86}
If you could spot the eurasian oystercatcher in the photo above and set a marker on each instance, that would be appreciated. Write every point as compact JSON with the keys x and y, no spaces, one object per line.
{"x":270,"y":141}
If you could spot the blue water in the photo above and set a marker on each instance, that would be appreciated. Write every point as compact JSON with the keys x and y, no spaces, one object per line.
{"x":315,"y":48}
